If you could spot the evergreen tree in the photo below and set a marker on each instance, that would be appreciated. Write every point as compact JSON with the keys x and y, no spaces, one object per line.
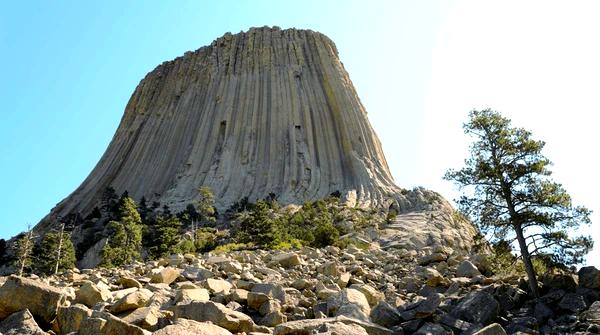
{"x":167,"y":237}
{"x":56,"y":252}
{"x":510,"y":195}
{"x":23,"y":251}
{"x":109,"y":202}
{"x":125,"y":242}
{"x":261,"y":227}
{"x":206,"y":207}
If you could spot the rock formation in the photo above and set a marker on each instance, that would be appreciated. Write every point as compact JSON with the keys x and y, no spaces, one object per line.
{"x":259,"y":112}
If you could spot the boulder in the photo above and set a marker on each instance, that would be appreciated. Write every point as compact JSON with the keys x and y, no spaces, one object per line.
{"x":273,"y":319}
{"x":128,"y":282}
{"x":217,"y":285}
{"x":589,"y":277}
{"x":563,"y":281}
{"x":197,"y":273}
{"x":593,"y":313}
{"x":467,"y":269}
{"x":308,"y":326}
{"x":256,"y":299}
{"x":428,"y":307}
{"x":349,"y":302}
{"x":165,"y":276}
{"x":188,"y":327}
{"x":432,"y":329}
{"x":111,"y":325}
{"x":20,"y":323}
{"x":132,"y":301}
{"x":145,"y":317}
{"x":69,"y":319}
{"x":274,"y":291}
{"x":478,"y":307}
{"x":186,"y":296}
{"x":373,"y":295}
{"x":90,"y":294}
{"x":572,"y":302}
{"x":215,"y":313}
{"x":287,"y":260}
{"x":493,"y":329}
{"x":19,"y":293}
{"x":331,"y":269}
{"x":385,"y":315}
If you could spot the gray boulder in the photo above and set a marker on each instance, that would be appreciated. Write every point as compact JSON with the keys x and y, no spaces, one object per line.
{"x":19,"y":293}
{"x":20,"y":323}
{"x":477,"y":307}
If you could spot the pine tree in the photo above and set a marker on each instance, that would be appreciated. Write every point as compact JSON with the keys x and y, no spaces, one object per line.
{"x":261,"y":227}
{"x":56,"y":252}
{"x":23,"y":251}
{"x":206,"y":207}
{"x":125,"y":243}
{"x":167,"y":237}
{"x":510,"y":195}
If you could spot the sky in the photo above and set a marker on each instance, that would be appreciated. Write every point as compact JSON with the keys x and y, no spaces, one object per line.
{"x":419,"y":67}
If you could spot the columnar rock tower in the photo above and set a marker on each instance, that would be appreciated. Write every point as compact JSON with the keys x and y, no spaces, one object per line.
{"x":259,"y":112}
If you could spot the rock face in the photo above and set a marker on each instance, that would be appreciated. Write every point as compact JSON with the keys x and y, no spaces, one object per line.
{"x":259,"y":112}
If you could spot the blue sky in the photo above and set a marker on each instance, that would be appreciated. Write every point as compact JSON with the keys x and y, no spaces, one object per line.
{"x":69,"y":68}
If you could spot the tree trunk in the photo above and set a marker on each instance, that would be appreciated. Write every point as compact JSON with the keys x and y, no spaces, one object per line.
{"x":59,"y":251}
{"x":533,"y":284}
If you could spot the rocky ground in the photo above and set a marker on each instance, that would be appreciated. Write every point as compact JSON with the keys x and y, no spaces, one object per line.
{"x":308,"y":291}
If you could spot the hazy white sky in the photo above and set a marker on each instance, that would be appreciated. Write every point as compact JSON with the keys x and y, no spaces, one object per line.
{"x":537,"y":62}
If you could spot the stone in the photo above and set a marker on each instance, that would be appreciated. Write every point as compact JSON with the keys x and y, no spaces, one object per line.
{"x":589,"y":277}
{"x":274,"y":291}
{"x":563,"y":281}
{"x":432,"y":329}
{"x":111,"y":325}
{"x":256,"y":299}
{"x":288,"y":260}
{"x":69,"y":319}
{"x":217,"y":285}
{"x":40,"y":299}
{"x":331,"y":269}
{"x":239,"y":295}
{"x":477,"y":306}
{"x":385,"y":315}
{"x":467,"y":269}
{"x":188,"y":327}
{"x":493,"y":329}
{"x":373,"y":295}
{"x":144,"y":317}
{"x":572,"y":302}
{"x":308,"y":326}
{"x":269,"y":306}
{"x":132,"y":301}
{"x":273,"y":319}
{"x":186,"y":296}
{"x":428,"y":307}
{"x":349,"y":302}
{"x":165,"y":276}
{"x":197,"y":273}
{"x":216,"y":313}
{"x":593,"y":313}
{"x":128,"y":282}
{"x":20,"y":323}
{"x":90,"y":294}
